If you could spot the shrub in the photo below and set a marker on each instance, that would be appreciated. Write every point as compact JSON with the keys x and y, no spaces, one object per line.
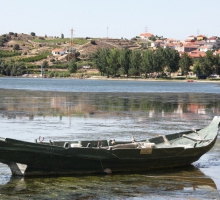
{"x":93,"y":42}
{"x":16,"y":47}
{"x":11,"y":33}
{"x":52,"y":60}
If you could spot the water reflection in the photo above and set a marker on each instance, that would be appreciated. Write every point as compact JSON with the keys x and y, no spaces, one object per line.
{"x":176,"y":182}
{"x":28,"y":103}
{"x":26,"y":115}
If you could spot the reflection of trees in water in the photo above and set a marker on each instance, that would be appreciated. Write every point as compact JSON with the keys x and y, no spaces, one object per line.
{"x":40,"y":103}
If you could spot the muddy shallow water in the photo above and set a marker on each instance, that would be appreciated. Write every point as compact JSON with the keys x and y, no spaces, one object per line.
{"x":54,"y":115}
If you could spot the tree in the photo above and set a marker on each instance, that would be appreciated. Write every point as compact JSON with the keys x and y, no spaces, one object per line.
{"x":124,"y":60}
{"x":45,"y":64}
{"x":158,"y":60}
{"x":208,"y":63}
{"x":147,"y":62}
{"x":113,"y":62}
{"x":72,"y":66}
{"x":33,"y":34}
{"x":217,"y":64}
{"x":171,"y":59}
{"x":62,"y":35}
{"x":197,"y":68}
{"x":101,"y":60}
{"x":16,"y":47}
{"x":135,"y":62}
{"x":185,"y":63}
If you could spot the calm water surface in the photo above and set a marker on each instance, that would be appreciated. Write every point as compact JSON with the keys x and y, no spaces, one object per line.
{"x":83,"y":109}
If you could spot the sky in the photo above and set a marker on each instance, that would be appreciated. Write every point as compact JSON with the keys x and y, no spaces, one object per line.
{"x":175,"y":19}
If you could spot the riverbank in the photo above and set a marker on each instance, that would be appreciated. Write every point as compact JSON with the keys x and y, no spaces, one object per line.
{"x":154,"y":79}
{"x":172,"y":79}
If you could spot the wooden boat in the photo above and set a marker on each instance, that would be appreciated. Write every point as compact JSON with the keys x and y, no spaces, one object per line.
{"x":86,"y":157}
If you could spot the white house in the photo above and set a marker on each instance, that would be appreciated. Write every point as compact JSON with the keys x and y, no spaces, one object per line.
{"x":213,"y":39}
{"x":205,"y":48}
{"x":58,"y":52}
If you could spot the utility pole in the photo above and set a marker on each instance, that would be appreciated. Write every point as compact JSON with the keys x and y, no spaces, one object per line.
{"x":146,"y":38}
{"x":71,"y":49}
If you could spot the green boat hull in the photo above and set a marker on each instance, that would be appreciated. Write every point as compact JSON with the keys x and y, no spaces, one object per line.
{"x":89,"y":157}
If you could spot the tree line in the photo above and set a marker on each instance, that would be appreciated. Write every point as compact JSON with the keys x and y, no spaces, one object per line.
{"x":12,"y":68}
{"x":162,"y":61}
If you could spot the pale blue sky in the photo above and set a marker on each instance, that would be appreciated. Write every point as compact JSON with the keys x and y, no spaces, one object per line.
{"x":124,"y":18}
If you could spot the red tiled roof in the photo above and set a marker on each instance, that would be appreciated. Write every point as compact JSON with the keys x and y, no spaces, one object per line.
{"x":191,"y":45}
{"x":196,"y":54}
{"x":213,"y":38}
{"x":57,"y":50}
{"x":146,"y":34}
{"x":159,"y":41}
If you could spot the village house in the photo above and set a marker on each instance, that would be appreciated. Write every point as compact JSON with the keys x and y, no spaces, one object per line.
{"x":146,"y":35}
{"x":213,"y":39}
{"x":196,"y":54}
{"x":205,"y":48}
{"x":188,"y":47}
{"x":191,"y":38}
{"x":157,"y":43}
{"x":200,"y":37}
{"x":170,"y":45}
{"x":58,"y":52}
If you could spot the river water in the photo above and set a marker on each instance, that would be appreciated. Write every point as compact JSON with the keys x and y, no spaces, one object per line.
{"x":72,"y":109}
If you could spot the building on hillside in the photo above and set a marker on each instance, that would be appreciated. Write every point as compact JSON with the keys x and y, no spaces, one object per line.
{"x":196,"y":54}
{"x":157,"y":43}
{"x":58,"y":52}
{"x":205,"y":48}
{"x":191,"y":38}
{"x":170,"y":45}
{"x":169,"y":40}
{"x":200,"y":43}
{"x":200,"y":37}
{"x":213,"y":39}
{"x":188,"y":47}
{"x":146,"y":35}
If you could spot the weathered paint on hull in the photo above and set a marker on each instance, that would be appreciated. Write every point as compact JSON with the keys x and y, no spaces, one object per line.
{"x":47,"y":164}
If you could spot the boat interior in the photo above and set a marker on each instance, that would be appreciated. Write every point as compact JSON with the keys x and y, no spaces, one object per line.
{"x":188,"y":139}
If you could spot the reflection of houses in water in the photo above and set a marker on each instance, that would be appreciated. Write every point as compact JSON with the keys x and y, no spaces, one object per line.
{"x":195,"y":108}
{"x":66,"y":107}
{"x":192,"y":108}
{"x":58,"y":102}
{"x":179,"y":109}
{"x":151,"y":113}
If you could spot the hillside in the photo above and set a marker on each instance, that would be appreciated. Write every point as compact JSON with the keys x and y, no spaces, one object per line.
{"x":34,"y":45}
{"x":35,"y":50}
